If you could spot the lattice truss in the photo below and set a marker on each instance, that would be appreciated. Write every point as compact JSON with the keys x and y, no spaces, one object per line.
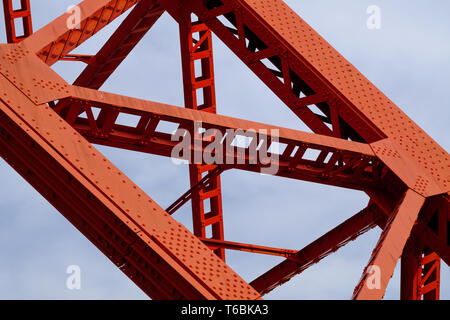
{"x":363,"y":140}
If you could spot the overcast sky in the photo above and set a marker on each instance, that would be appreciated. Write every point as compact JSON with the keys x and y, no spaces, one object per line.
{"x":408,"y":59}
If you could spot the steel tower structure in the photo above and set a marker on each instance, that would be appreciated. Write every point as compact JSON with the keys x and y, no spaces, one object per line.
{"x":363,"y":140}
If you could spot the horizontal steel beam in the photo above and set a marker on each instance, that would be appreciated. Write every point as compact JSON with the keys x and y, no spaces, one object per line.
{"x":214,"y":244}
{"x":301,"y":155}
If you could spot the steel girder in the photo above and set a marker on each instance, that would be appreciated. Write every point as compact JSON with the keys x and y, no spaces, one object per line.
{"x":364,"y":142}
{"x":12,"y":14}
{"x":199,"y":94}
{"x":120,"y":219}
{"x":313,"y":253}
{"x":116,"y":49}
{"x":420,"y":272}
{"x":340,"y":162}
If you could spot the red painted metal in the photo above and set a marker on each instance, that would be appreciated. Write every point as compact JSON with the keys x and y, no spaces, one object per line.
{"x":113,"y":213}
{"x":420,"y":272}
{"x":56,"y":40}
{"x":390,"y":246}
{"x":343,"y":167}
{"x":136,"y":25}
{"x":363,"y":142}
{"x":313,"y":253}
{"x":420,"y":264}
{"x":101,"y":66}
{"x":204,"y":184}
{"x":215,"y":244}
{"x":22,"y":14}
{"x":199,"y":94}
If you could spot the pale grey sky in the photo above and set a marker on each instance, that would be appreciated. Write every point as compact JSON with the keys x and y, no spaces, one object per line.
{"x":408,"y":59}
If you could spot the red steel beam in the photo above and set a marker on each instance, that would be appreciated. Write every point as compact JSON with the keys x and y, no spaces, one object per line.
{"x":214,"y":244}
{"x":77,"y":57}
{"x":438,"y":246}
{"x":199,"y":94}
{"x":390,"y":153}
{"x":338,"y":163}
{"x":203,"y":184}
{"x":429,"y":275}
{"x":135,"y":26}
{"x":410,"y":268}
{"x":130,"y":32}
{"x":252,"y":37}
{"x":420,"y":272}
{"x":330,"y":242}
{"x":259,"y":32}
{"x":159,"y":254}
{"x":389,"y":248}
{"x":56,"y":40}
{"x":308,"y":72}
{"x":11,"y":15}
{"x":434,"y":225}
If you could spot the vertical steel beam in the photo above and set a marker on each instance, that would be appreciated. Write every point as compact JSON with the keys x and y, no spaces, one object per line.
{"x":199,"y":94}
{"x":409,"y":271}
{"x":420,"y":272}
{"x":21,"y":14}
{"x":429,"y":280}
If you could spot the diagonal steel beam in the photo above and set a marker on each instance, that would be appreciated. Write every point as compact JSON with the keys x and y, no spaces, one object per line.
{"x":330,"y":242}
{"x":58,"y":38}
{"x":261,"y":36}
{"x":420,"y":271}
{"x":11,"y":16}
{"x":201,"y":185}
{"x":133,"y":231}
{"x":101,"y":66}
{"x":388,"y":250}
{"x":135,"y":26}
